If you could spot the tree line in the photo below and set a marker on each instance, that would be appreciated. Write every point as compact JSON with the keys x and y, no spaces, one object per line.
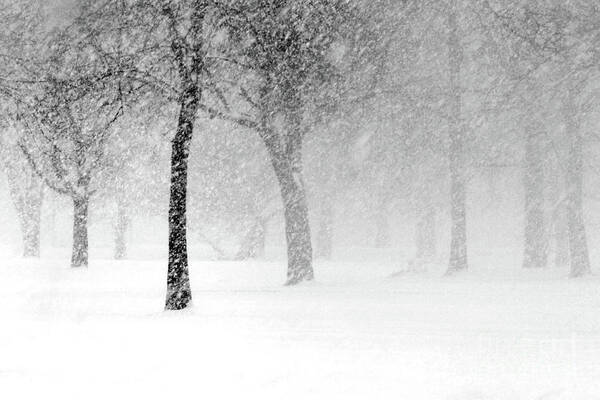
{"x":432,"y":90}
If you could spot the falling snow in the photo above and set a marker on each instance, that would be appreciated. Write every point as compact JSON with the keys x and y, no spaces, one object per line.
{"x":328,"y":199}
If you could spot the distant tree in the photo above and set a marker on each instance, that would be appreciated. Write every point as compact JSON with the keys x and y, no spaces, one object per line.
{"x":27,"y":192}
{"x":457,"y":136}
{"x":66,"y":129}
{"x":21,"y":34}
{"x":66,"y":110}
{"x":578,"y":248}
{"x":535,"y":248}
{"x":562,"y":40}
{"x":286,"y":47}
{"x":524,"y":49}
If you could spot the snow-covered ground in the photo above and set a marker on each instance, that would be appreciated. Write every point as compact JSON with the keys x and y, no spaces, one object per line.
{"x":358,"y":332}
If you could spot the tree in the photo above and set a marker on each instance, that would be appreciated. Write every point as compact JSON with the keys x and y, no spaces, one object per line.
{"x":185,"y":22}
{"x":27,"y":192}
{"x":66,"y":128}
{"x":458,"y":246}
{"x":160,"y":49}
{"x":20,"y":37}
{"x":578,"y":250}
{"x":535,"y":227}
{"x":286,"y":48}
{"x":562,"y":37}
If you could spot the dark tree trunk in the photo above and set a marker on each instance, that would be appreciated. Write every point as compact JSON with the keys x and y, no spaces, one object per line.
{"x":253,"y":245}
{"x":325,"y":236}
{"x":179,"y":293}
{"x":79,"y":257}
{"x":580,"y":262}
{"x":121,"y":228}
{"x":535,"y":246}
{"x":458,"y":211}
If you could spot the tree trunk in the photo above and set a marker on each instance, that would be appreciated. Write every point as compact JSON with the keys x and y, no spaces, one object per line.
{"x":458,"y":212}
{"x":27,"y":192}
{"x":179,"y":293}
{"x":285,"y":152}
{"x":121,"y":228}
{"x":297,"y":228}
{"x":535,"y":248}
{"x":325,"y":236}
{"x":458,"y":243}
{"x":287,"y":164}
{"x":79,"y":257}
{"x":580,"y":262}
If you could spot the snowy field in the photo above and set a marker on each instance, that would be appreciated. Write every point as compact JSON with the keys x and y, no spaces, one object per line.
{"x":358,"y":332}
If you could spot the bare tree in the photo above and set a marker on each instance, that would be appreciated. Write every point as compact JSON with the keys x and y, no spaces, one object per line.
{"x":64,"y":141}
{"x":289,"y":44}
{"x":458,"y":211}
{"x":535,"y":248}
{"x":578,"y":250}
{"x":27,"y":192}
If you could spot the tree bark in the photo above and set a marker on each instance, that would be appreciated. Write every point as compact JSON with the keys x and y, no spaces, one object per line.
{"x":286,"y":160}
{"x":121,"y":228}
{"x":535,"y":246}
{"x":179,"y":293}
{"x":580,"y":262}
{"x":79,"y":256}
{"x":297,"y":228}
{"x":458,"y":212}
